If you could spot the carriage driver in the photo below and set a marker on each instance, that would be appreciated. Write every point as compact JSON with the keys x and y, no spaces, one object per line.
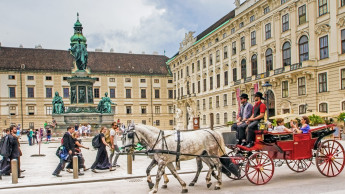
{"x":258,"y":114}
{"x":244,"y":114}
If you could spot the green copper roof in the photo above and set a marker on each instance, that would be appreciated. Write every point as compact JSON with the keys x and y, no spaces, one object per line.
{"x":212,"y":32}
{"x":78,"y":33}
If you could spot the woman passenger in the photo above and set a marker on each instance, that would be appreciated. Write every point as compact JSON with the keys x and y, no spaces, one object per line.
{"x":305,"y":125}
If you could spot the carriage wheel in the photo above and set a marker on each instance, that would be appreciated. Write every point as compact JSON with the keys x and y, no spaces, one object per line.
{"x":299,"y":165}
{"x":259,"y":168}
{"x":330,"y":158}
{"x":241,"y":161}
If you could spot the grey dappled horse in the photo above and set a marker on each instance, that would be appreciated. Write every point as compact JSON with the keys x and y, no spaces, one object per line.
{"x":196,"y":143}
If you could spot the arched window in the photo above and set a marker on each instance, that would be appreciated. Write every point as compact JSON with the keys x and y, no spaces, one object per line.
{"x":286,"y":54}
{"x":303,"y":49}
{"x":269,"y":60}
{"x":343,"y":105}
{"x":217,"y":119}
{"x":323,"y":107}
{"x":302,"y":109}
{"x":243,"y":69}
{"x":254,"y":65}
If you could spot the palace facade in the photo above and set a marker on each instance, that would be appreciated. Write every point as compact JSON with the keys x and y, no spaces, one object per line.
{"x":297,"y":46}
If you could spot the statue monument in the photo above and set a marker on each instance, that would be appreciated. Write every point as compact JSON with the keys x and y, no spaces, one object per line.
{"x":190,"y":118}
{"x":81,"y":108}
{"x":104,"y":106}
{"x":58,"y":105}
{"x":178,"y":117}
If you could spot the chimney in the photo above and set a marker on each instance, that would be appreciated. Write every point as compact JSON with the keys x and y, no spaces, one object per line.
{"x":143,"y":52}
{"x":39,"y":46}
{"x":130,"y":52}
{"x":20,"y":46}
{"x":155,"y":53}
{"x":98,"y":50}
{"x":111,"y":50}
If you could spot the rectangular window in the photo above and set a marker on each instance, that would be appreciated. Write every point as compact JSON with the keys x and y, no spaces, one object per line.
{"x":193,"y":88}
{"x":49,"y":92}
{"x":49,"y":110}
{"x":323,"y":9}
{"x":217,"y":56}
{"x":66,"y":92}
{"x":156,"y":81}
{"x":127,"y":80}
{"x":204,"y":85}
{"x":171,"y":110}
{"x":11,"y":77}
{"x":211,"y":60}
{"x":302,"y":109}
{"x":233,"y":98}
{"x":266,"y":10}
{"x":128,"y":110}
{"x":13,"y":110}
{"x":170,"y":94}
{"x":225,"y":99}
{"x":199,"y":86}
{"x":112,"y":79}
{"x":144,"y":80}
{"x":143,"y":93}
{"x":12,"y":92}
{"x":301,"y":86}
{"x":218,"y":80}
{"x":343,"y":41}
{"x":323,"y":107}
{"x":187,"y":71}
{"x":324,"y":47}
{"x":225,"y":118}
{"x":128,"y":93}
{"x":143,"y":122}
{"x":226,"y":78}
{"x":285,"y":20}
{"x":112,"y":92}
{"x":217,"y":101}
{"x":302,"y":14}
{"x":323,"y":82}
{"x":170,"y":81}
{"x":252,"y":95}
{"x":232,"y":30}
{"x":30,"y":77}
{"x":198,"y":66}
{"x":198,"y":105}
{"x":243,"y":43}
{"x":96,"y":92}
{"x":284,"y":1}
{"x":49,"y":78}
{"x":64,"y":78}
{"x":204,"y":63}
{"x":252,"y":18}
{"x":156,"y":93}
{"x":211,"y":83}
{"x":253,"y":38}
{"x":204,"y":119}
{"x":342,"y":3}
{"x":210,"y":103}
{"x":31,"y":93}
{"x":31,"y":110}
{"x":225,"y":52}
{"x":171,"y":122}
{"x":241,"y":25}
{"x":343,"y":79}
{"x":143,"y":110}
{"x":234,"y":74}
{"x":192,"y":67}
{"x":204,"y":104}
{"x":268,"y":31}
{"x":157,"y":109}
{"x":234,"y":48}
{"x":158,"y":123}
{"x":285,"y":89}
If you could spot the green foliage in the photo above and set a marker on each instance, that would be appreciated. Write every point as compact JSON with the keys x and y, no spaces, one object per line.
{"x":274,"y":123}
{"x":341,"y":117}
{"x":315,"y":120}
{"x":230,"y":123}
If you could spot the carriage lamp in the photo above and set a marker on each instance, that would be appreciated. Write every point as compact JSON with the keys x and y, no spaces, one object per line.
{"x":267,"y":86}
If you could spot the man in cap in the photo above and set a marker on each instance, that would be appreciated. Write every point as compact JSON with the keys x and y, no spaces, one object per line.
{"x":244,"y":114}
{"x":259,"y":110}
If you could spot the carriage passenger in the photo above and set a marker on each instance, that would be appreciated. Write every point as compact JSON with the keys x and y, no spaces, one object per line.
{"x":305,"y":125}
{"x":280,"y":126}
{"x":259,"y":110}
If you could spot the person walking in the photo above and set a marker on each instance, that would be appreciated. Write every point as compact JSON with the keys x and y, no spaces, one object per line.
{"x":30,"y":134}
{"x":88,"y":130}
{"x":113,"y":144}
{"x":81,"y":160}
{"x":49,"y":133}
{"x":34,"y":137}
{"x":76,"y":126}
{"x":68,"y":150}
{"x":102,"y":160}
{"x":244,"y":114}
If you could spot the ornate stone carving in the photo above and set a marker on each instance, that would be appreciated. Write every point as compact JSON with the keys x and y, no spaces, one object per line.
{"x":217,"y":70}
{"x":187,"y":42}
{"x":204,"y":75}
{"x":341,"y":22}
{"x":322,"y":29}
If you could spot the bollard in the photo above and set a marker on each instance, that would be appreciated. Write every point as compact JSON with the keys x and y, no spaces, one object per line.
{"x":129,"y":164}
{"x":14,"y":167}
{"x":75,"y":167}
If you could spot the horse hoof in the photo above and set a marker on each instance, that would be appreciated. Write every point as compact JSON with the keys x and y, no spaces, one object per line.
{"x":164,"y":186}
{"x":209,"y":185}
{"x":216,"y":188}
{"x":184,"y":191}
{"x":151,"y":185}
{"x":191,"y":184}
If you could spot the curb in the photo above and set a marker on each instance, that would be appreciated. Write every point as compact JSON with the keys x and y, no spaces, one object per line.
{"x":77,"y":181}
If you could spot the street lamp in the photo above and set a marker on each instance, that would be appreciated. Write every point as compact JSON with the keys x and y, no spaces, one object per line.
{"x":267,"y":86}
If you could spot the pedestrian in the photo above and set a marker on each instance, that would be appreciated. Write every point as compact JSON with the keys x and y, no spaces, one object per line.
{"x":113,"y":143}
{"x":67,"y":151}
{"x":34,"y":137}
{"x":81,"y":160}
{"x":29,"y":134}
{"x":49,"y":133}
{"x":13,"y":152}
{"x":41,"y":134}
{"x":54,"y":124}
{"x":45,"y":125}
{"x":88,"y":130}
{"x":102,"y":160}
{"x":18,"y":130}
{"x":81,"y":129}
{"x":76,"y":126}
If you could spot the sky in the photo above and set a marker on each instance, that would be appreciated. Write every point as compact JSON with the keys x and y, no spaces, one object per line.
{"x":123,"y":25}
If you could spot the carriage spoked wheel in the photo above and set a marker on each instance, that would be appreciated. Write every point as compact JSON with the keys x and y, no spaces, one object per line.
{"x":241,"y":160}
{"x":259,"y":168}
{"x":330,"y":158}
{"x":299,"y":165}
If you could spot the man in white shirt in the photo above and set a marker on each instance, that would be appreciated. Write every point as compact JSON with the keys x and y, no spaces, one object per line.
{"x":114,"y":147}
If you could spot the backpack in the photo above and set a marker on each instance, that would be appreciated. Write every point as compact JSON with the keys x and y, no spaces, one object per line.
{"x":5,"y":146}
{"x":96,"y":141}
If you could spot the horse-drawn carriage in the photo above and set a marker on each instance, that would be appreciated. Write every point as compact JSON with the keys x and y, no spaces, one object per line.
{"x":297,"y":150}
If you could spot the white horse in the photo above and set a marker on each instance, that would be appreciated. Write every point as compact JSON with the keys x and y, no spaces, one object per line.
{"x":195,"y":143}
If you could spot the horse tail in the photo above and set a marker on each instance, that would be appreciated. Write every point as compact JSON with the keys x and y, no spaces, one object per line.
{"x":221,"y":149}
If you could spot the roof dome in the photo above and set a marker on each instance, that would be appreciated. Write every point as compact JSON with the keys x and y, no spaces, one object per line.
{"x":78,"y":33}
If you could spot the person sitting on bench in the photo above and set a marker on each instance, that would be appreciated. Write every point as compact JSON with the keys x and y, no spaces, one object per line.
{"x":244,"y":114}
{"x":259,"y":110}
